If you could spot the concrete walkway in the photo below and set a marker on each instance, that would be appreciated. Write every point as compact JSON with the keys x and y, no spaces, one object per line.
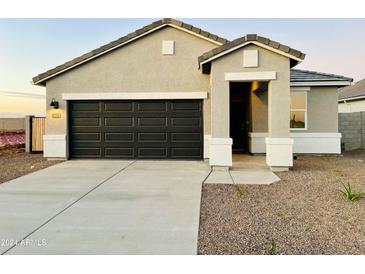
{"x":247,"y":169}
{"x":104,"y":207}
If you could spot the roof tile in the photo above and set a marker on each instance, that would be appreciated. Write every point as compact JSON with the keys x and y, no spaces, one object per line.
{"x":251,"y":37}
{"x":263,"y":40}
{"x":274,"y":44}
{"x":352,"y":92}
{"x":284,"y":48}
{"x":297,"y":75}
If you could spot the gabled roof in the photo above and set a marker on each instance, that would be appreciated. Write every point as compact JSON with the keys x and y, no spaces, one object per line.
{"x":294,"y":54}
{"x":41,"y":78}
{"x":354,"y":92}
{"x":303,"y":77}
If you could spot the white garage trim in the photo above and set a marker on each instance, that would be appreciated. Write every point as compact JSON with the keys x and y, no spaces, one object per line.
{"x":304,"y":142}
{"x":134,"y":95}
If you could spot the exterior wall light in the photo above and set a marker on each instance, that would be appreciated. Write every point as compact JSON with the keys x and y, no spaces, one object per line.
{"x":54,"y":103}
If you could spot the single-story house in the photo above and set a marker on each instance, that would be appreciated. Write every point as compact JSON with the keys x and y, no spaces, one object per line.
{"x":173,"y":91}
{"x":352,"y":98}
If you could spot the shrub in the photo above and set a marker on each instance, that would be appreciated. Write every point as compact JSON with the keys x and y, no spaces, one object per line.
{"x":349,"y":194}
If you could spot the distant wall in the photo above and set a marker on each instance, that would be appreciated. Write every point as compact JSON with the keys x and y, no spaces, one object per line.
{"x":12,"y":123}
{"x":352,"y":127}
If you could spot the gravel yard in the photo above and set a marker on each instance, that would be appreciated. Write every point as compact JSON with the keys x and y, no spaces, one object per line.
{"x":15,"y":163}
{"x":304,"y":213}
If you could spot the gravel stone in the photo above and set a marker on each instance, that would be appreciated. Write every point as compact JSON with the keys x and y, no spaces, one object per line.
{"x":304,"y":213}
{"x":15,"y":163}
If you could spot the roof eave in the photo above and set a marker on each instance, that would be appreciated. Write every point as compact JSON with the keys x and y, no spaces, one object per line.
{"x":260,"y":41}
{"x":354,"y":98}
{"x":321,"y":83}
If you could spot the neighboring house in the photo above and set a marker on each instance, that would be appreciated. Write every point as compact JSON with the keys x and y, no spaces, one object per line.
{"x":173,"y":91}
{"x":352,"y":98}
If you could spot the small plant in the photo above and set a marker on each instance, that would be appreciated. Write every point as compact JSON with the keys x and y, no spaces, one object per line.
{"x":271,"y":246}
{"x":240,"y":190}
{"x":349,"y":194}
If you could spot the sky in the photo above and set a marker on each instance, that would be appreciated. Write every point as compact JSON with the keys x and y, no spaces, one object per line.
{"x":31,"y":46}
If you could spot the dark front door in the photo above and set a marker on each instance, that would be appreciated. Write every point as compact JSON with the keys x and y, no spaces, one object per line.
{"x":140,"y":129}
{"x":239,"y":109}
{"x":238,"y":123}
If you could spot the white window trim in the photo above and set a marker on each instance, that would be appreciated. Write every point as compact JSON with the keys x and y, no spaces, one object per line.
{"x":301,"y":109}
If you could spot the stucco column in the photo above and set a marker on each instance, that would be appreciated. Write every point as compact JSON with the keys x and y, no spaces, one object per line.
{"x":220,"y":144}
{"x":279,"y":145}
{"x":55,"y":139}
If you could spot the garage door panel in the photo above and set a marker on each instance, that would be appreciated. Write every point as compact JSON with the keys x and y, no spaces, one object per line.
{"x":118,"y":121}
{"x":151,"y":152}
{"x":152,"y":106}
{"x":75,"y":130}
{"x":185,"y":106}
{"x":87,"y":137}
{"x":119,"y":152}
{"x":186,"y":121}
{"x":185,"y":145}
{"x":185,"y":137}
{"x":118,"y":136}
{"x":85,"y":106}
{"x":185,"y":152}
{"x":85,"y":121}
{"x":114,"y":106}
{"x":155,"y":129}
{"x":86,"y":152}
{"x":85,"y":145}
{"x":151,"y":121}
{"x":152,"y":137}
{"x":84,"y":114}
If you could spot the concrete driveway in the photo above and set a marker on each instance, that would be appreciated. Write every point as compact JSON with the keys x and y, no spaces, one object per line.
{"x":103,"y":207}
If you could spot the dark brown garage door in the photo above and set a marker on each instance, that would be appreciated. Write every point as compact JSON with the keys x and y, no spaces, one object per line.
{"x":151,"y":129}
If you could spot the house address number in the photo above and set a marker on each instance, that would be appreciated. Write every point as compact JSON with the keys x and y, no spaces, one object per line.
{"x":56,"y":115}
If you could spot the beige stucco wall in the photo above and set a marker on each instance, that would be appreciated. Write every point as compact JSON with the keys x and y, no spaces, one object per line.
{"x":136,"y":67}
{"x":322,"y":112}
{"x":322,"y":109}
{"x":278,"y":91}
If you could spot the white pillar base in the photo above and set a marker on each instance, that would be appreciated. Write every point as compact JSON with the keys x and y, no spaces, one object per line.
{"x":220,"y":150}
{"x":54,"y":146}
{"x":279,"y":153}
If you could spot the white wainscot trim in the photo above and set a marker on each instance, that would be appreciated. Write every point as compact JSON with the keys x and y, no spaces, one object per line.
{"x":220,"y":150}
{"x":304,"y":142}
{"x":250,"y":76}
{"x":54,"y":146}
{"x":206,"y":145}
{"x":134,"y":95}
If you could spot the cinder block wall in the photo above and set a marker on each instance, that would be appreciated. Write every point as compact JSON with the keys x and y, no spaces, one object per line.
{"x":12,"y":123}
{"x":352,"y":128}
